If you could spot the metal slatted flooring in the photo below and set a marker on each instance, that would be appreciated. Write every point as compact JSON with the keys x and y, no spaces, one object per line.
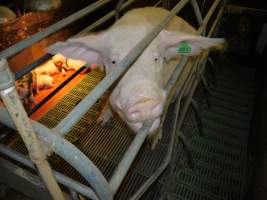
{"x":220,"y":155}
{"x":105,"y":146}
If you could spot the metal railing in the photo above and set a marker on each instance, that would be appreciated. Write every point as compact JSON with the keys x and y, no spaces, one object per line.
{"x":52,"y":140}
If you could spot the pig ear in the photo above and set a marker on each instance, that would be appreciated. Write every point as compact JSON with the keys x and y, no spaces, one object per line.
{"x":178,"y":43}
{"x":88,"y":48}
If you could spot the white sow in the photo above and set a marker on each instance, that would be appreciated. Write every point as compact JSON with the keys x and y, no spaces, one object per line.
{"x":139,"y":96}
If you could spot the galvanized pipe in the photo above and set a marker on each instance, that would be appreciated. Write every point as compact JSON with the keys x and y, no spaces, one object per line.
{"x":68,"y":152}
{"x":44,"y":58}
{"x":165,"y":163}
{"x":197,"y":11}
{"x":208,"y":16}
{"x":16,"y":48}
{"x":76,"y":114}
{"x":118,"y":8}
{"x":64,"y":180}
{"x":104,"y":19}
{"x":12,"y":102}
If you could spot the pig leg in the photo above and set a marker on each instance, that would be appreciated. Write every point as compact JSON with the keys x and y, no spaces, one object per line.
{"x":105,"y":115}
{"x":155,"y":135}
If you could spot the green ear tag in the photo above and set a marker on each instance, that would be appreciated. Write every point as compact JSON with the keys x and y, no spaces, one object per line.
{"x":184,"y":47}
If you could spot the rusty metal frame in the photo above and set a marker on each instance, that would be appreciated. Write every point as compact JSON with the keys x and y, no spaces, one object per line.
{"x":52,"y":139}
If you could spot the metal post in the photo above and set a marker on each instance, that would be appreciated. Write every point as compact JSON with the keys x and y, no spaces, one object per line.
{"x":20,"y":118}
{"x":206,"y":89}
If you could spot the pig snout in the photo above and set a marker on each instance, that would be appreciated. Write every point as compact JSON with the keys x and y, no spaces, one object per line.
{"x":145,"y":109}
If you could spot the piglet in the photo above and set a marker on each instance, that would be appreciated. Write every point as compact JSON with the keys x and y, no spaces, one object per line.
{"x":48,"y":68}
{"x":41,"y":81}
{"x":24,"y":89}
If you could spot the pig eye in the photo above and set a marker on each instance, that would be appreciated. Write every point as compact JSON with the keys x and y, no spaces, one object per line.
{"x":113,"y":62}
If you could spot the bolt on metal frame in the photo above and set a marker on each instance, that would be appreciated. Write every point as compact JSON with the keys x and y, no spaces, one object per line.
{"x":52,"y":140}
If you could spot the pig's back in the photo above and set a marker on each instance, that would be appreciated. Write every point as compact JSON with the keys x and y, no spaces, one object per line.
{"x":153,"y":16}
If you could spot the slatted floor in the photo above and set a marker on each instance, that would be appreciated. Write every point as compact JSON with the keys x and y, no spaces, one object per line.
{"x":220,"y":155}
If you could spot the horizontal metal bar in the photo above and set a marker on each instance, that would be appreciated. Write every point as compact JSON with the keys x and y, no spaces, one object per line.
{"x":32,"y":66}
{"x":55,"y":91}
{"x":14,"y":49}
{"x":64,"y":180}
{"x":76,"y":114}
{"x":68,"y":152}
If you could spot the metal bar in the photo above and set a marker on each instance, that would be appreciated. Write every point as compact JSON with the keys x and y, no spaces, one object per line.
{"x":104,"y":19}
{"x":77,"y":160}
{"x":158,"y":3}
{"x":32,"y":66}
{"x":74,"y":195}
{"x":44,"y":58}
{"x":23,"y":181}
{"x":76,"y":114}
{"x":208,"y":16}
{"x":11,"y":100}
{"x":118,"y":8}
{"x":55,"y":91}
{"x":197,"y":11}
{"x":129,"y":157}
{"x":69,"y":153}
{"x":217,"y":20}
{"x":14,"y":49}
{"x":64,"y":180}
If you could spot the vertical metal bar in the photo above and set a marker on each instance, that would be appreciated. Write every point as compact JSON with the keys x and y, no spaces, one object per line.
{"x":20,"y":118}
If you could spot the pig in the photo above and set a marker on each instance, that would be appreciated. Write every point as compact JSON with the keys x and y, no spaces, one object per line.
{"x":48,"y":68}
{"x":139,"y":95}
{"x":41,"y":81}
{"x":24,"y":89}
{"x":66,"y":64}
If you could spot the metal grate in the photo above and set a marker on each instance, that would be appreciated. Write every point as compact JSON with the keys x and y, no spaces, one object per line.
{"x":105,"y":146}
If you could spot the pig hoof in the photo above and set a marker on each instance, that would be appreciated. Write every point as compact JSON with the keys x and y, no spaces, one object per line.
{"x":104,"y":119}
{"x":154,"y":138}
